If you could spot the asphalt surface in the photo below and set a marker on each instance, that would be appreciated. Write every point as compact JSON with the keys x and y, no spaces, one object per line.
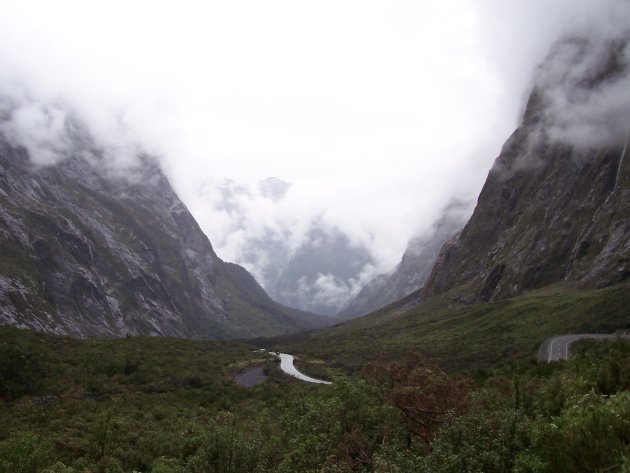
{"x":286,"y":365}
{"x":559,"y":348}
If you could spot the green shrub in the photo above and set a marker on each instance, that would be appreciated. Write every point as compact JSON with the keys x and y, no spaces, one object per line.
{"x":228,"y":448}
{"x":20,"y":371}
{"x":167,"y":465}
{"x":591,"y":435}
{"x":337,"y":427}
{"x":485,"y":440}
{"x":59,"y":467}
{"x":25,"y":453}
{"x":105,"y":435}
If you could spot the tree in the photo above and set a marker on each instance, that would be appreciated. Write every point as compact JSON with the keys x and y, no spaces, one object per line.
{"x":422,"y":392}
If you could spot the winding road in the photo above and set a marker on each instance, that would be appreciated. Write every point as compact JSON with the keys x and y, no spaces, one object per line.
{"x":286,"y":365}
{"x":558,"y":348}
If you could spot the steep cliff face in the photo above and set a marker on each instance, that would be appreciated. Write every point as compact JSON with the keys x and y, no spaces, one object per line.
{"x":556,"y":204}
{"x":414,"y":268}
{"x":87,"y":252}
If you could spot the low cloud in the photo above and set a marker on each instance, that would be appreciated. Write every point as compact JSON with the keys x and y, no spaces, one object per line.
{"x":329,"y":291}
{"x":378,"y":113}
{"x":52,"y":131}
{"x":41,"y":129}
{"x":585,"y":84}
{"x":298,"y":253}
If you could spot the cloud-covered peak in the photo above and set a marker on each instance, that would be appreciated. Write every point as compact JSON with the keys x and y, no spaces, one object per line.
{"x":378,"y":113}
{"x":273,"y":188}
{"x":584,"y":86}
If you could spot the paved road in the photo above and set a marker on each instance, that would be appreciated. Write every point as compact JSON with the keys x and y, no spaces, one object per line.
{"x":286,"y":365}
{"x":559,"y":348}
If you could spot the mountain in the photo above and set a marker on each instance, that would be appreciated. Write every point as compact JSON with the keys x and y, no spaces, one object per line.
{"x":556,"y":203}
{"x":414,"y":268}
{"x":319,"y":276}
{"x":301,"y":261}
{"x":273,"y":188}
{"x":90,"y":250}
{"x":547,"y":249}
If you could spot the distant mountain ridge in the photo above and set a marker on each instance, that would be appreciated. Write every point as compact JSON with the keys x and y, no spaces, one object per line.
{"x":307,"y":264}
{"x":86,"y":252}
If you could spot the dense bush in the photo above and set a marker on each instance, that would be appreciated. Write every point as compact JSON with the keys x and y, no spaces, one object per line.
{"x":20,"y":370}
{"x":337,"y":429}
{"x":25,"y":453}
{"x":591,"y":435}
{"x":170,"y":406}
{"x":228,"y":446}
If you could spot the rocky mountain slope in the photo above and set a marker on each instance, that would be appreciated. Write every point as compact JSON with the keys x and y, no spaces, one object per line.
{"x":414,"y":268}
{"x":88,"y":251}
{"x":556,"y":204}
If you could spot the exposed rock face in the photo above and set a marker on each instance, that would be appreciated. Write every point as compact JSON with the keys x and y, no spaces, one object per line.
{"x":414,"y":268}
{"x":90,"y":253}
{"x":556,"y":204}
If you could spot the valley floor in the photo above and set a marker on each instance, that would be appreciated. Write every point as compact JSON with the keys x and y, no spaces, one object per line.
{"x":168,"y":405}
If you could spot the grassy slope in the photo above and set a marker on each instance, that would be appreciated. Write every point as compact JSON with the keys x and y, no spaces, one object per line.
{"x":256,"y":313}
{"x":463,"y":337}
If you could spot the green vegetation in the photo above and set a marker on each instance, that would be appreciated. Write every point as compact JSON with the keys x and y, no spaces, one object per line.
{"x":257,"y":313}
{"x":466,"y":337}
{"x":119,"y":405}
{"x":171,"y":406}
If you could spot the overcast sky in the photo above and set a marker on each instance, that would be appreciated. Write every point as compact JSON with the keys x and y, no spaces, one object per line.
{"x":378,"y":112}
